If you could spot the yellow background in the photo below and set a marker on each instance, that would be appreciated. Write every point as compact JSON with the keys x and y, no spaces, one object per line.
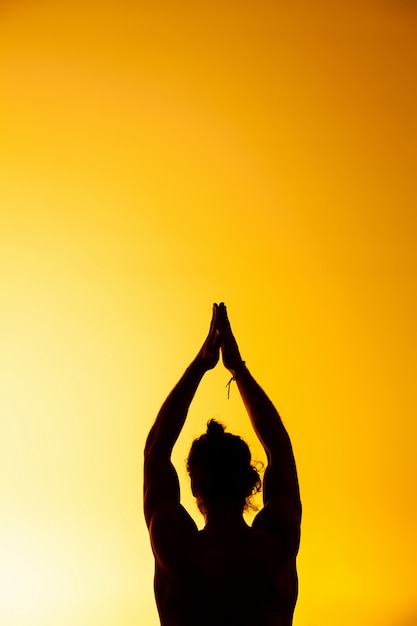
{"x":155,"y":158}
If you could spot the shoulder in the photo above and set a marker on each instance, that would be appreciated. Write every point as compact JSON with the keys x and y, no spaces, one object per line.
{"x":172,"y":532}
{"x":281,"y":518}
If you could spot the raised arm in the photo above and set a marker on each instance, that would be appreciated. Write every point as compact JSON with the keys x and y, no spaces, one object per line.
{"x":160,"y":478}
{"x":280,"y":485}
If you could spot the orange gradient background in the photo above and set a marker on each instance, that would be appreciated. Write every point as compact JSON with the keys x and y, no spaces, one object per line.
{"x":155,"y":158}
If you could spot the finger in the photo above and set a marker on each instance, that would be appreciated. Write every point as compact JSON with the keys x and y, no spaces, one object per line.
{"x":225,"y":322}
{"x":223,"y":309}
{"x":219,"y":321}
{"x":213,"y":319}
{"x":222,"y":315}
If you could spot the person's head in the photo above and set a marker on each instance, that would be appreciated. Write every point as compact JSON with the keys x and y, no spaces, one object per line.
{"x":219,"y":465}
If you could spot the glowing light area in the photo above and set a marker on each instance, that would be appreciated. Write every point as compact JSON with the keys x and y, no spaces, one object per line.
{"x":37,"y":576}
{"x":155,"y":159}
{"x":84,"y":570}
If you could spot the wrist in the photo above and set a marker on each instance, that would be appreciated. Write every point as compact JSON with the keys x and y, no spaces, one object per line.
{"x":198,"y":366}
{"x":239,"y":370}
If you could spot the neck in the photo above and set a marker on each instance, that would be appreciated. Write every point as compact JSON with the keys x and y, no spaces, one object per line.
{"x":224,"y":516}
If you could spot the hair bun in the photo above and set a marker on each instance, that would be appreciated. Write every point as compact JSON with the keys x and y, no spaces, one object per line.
{"x":215,"y":430}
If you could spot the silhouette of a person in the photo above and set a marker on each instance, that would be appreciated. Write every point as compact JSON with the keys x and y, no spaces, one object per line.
{"x":229,"y":573}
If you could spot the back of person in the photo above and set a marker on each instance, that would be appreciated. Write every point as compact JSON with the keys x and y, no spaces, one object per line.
{"x":231,"y":578}
{"x":229,"y":573}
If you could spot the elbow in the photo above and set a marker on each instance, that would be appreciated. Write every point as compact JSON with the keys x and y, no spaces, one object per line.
{"x":150,"y":442}
{"x":150,"y":453}
{"x":155,"y":450}
{"x":148,"y":449}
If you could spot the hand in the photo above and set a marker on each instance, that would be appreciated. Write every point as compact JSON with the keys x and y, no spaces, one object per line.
{"x":230,"y":351}
{"x":210,"y":351}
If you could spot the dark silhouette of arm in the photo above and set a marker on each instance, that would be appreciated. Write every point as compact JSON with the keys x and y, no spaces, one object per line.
{"x":280,"y":484}
{"x":160,"y":478}
{"x":280,"y":475}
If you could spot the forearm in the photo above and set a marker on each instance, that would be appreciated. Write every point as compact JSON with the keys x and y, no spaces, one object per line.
{"x":269,"y":428}
{"x":173,"y":413}
{"x":264,"y":417}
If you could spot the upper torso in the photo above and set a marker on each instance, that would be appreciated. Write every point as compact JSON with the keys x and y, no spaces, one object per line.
{"x":231,"y":577}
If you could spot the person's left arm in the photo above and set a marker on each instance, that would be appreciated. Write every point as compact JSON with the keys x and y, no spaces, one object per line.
{"x":161,"y":483}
